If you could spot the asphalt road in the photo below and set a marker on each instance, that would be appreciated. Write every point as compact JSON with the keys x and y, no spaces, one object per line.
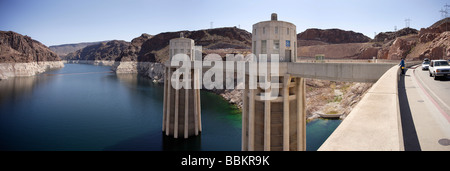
{"x":439,"y":90}
{"x":425,"y":111}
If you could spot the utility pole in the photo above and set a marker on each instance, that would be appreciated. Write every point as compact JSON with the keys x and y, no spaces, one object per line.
{"x":211,"y":24}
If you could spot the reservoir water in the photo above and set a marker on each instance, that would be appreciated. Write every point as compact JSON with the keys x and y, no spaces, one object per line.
{"x":87,"y":107}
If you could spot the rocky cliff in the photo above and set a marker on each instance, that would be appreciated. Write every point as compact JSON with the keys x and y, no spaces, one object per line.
{"x":148,"y":48}
{"x":133,"y":50}
{"x":16,"y":48}
{"x":432,"y":42}
{"x":107,"y":51}
{"x":340,"y":51}
{"x":156,"y":49}
{"x":388,"y":36}
{"x":22,"y":56}
{"x":332,"y":36}
{"x":335,"y":43}
{"x":63,"y":50}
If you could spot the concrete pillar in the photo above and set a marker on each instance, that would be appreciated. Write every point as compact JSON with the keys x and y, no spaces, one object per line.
{"x":251,"y":121}
{"x":164,"y":100}
{"x":301,"y":113}
{"x":186,"y":113}
{"x":286,"y":114}
{"x":267,"y":125}
{"x":245,"y":117}
{"x":196,"y":108}
{"x":169,"y":102}
{"x":177,"y":108}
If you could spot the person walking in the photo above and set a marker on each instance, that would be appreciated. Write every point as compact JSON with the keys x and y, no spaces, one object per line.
{"x":402,"y":64}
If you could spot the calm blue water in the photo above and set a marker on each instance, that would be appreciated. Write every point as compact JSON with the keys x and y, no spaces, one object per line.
{"x":99,"y":110}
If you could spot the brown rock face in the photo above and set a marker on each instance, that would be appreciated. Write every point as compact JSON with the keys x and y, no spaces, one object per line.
{"x":388,"y":36}
{"x":63,"y":50}
{"x":333,"y":36}
{"x":132,"y":52}
{"x":340,"y":51}
{"x":17,"y":48}
{"x":400,"y":48}
{"x":427,"y":37}
{"x":438,"y":48}
{"x":147,"y":48}
{"x":441,"y":25}
{"x":156,"y":48}
{"x":108,"y":51}
{"x":430,"y":33}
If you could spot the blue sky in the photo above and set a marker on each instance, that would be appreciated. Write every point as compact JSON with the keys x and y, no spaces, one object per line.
{"x":54,"y":22}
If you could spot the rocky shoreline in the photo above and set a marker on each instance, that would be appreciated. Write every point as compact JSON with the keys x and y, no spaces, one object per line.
{"x":8,"y":70}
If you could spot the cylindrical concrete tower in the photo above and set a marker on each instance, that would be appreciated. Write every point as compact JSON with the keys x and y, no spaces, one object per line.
{"x":278,"y":123}
{"x":181,"y":108}
{"x":275,"y":37}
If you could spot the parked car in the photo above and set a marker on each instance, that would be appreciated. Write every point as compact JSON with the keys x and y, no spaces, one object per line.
{"x":439,"y":68}
{"x":425,"y":65}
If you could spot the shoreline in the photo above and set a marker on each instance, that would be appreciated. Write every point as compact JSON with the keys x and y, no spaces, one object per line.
{"x":9,"y":70}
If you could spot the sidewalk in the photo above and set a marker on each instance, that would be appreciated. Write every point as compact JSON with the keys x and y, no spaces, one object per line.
{"x":424,"y":119}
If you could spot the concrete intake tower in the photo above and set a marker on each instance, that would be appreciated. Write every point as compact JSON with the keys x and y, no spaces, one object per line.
{"x":278,"y":123}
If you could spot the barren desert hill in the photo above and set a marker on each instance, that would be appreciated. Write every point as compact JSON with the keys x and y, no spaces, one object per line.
{"x":332,"y":36}
{"x":432,"y":42}
{"x":108,"y":51}
{"x":148,"y":48}
{"x":156,"y":48}
{"x":64,"y":49}
{"x":17,"y":48}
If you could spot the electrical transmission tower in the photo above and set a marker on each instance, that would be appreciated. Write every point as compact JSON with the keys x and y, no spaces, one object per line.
{"x":443,"y":13}
{"x":407,"y":22}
